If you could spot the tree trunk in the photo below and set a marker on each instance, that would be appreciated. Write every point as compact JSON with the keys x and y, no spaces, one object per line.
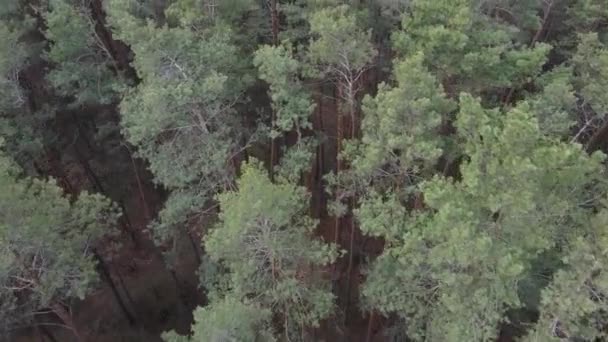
{"x":47,"y":333}
{"x":369,"y":327}
{"x":339,"y":134}
{"x":106,"y":274}
{"x":117,"y":50}
{"x":273,"y":147}
{"x":142,"y":196}
{"x":321,"y":165}
{"x":39,"y":334}
{"x":89,"y":171}
{"x":274,"y":21}
{"x":126,"y":291}
{"x":597,"y":137}
{"x":195,"y":247}
{"x":66,"y":318}
{"x":125,"y":222}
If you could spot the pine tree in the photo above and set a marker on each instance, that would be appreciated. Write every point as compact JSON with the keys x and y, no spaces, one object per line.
{"x":468,"y":49}
{"x":47,"y":243}
{"x":84,"y":66}
{"x":342,"y":51}
{"x":291,"y":103}
{"x":228,"y":319}
{"x":454,"y":270}
{"x":400,"y":129}
{"x":18,"y":126}
{"x":264,"y":238}
{"x":573,"y":305}
{"x":182,"y":115}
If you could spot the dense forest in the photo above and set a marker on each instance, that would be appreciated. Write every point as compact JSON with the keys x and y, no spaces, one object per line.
{"x":303,"y":170}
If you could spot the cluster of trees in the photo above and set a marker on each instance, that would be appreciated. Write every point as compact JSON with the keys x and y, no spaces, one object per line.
{"x":464,"y":136}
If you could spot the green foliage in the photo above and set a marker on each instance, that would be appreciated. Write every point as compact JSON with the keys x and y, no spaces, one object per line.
{"x":291,"y":102}
{"x":342,"y":48}
{"x":486,"y":203}
{"x":234,"y":320}
{"x":246,"y":18}
{"x":84,"y":67}
{"x":264,"y":239}
{"x":296,"y":159}
{"x":17,"y":126}
{"x":46,"y":243}
{"x":182,"y":116}
{"x":587,"y":15}
{"x":574,"y":304}
{"x":464,"y":45}
{"x":228,"y":320}
{"x":555,"y":104}
{"x":172,"y":336}
{"x":202,"y":12}
{"x":10,"y":64}
{"x":591,"y":61}
{"x":454,"y":271}
{"x":400,"y":126}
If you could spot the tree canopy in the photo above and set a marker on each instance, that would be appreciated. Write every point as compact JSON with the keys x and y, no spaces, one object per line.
{"x":303,"y":170}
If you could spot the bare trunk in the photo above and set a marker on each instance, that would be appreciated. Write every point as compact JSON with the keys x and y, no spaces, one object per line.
{"x":66,"y":318}
{"x":117,"y":51}
{"x":274,"y":22}
{"x":320,"y":160}
{"x":125,"y":222}
{"x":339,"y":136}
{"x":126,"y":291}
{"x":89,"y":171}
{"x":47,"y":333}
{"x":369,"y":327}
{"x":140,"y":188}
{"x":353,"y":131}
{"x":273,"y":147}
{"x":106,"y":274}
{"x":597,"y":137}
{"x":195,"y":248}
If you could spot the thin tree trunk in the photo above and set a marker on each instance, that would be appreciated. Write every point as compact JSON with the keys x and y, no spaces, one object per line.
{"x":274,"y":22}
{"x":597,"y":137}
{"x":140,"y":188}
{"x":126,"y":291}
{"x":369,"y":327}
{"x":195,"y":248}
{"x":353,"y":131}
{"x":47,"y":333}
{"x":340,"y":123}
{"x":89,"y":171}
{"x":125,"y":222}
{"x":106,"y":274}
{"x":321,"y":158}
{"x":116,"y":49}
{"x":182,"y":304}
{"x":39,"y":334}
{"x":273,"y":147}
{"x":66,"y":318}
